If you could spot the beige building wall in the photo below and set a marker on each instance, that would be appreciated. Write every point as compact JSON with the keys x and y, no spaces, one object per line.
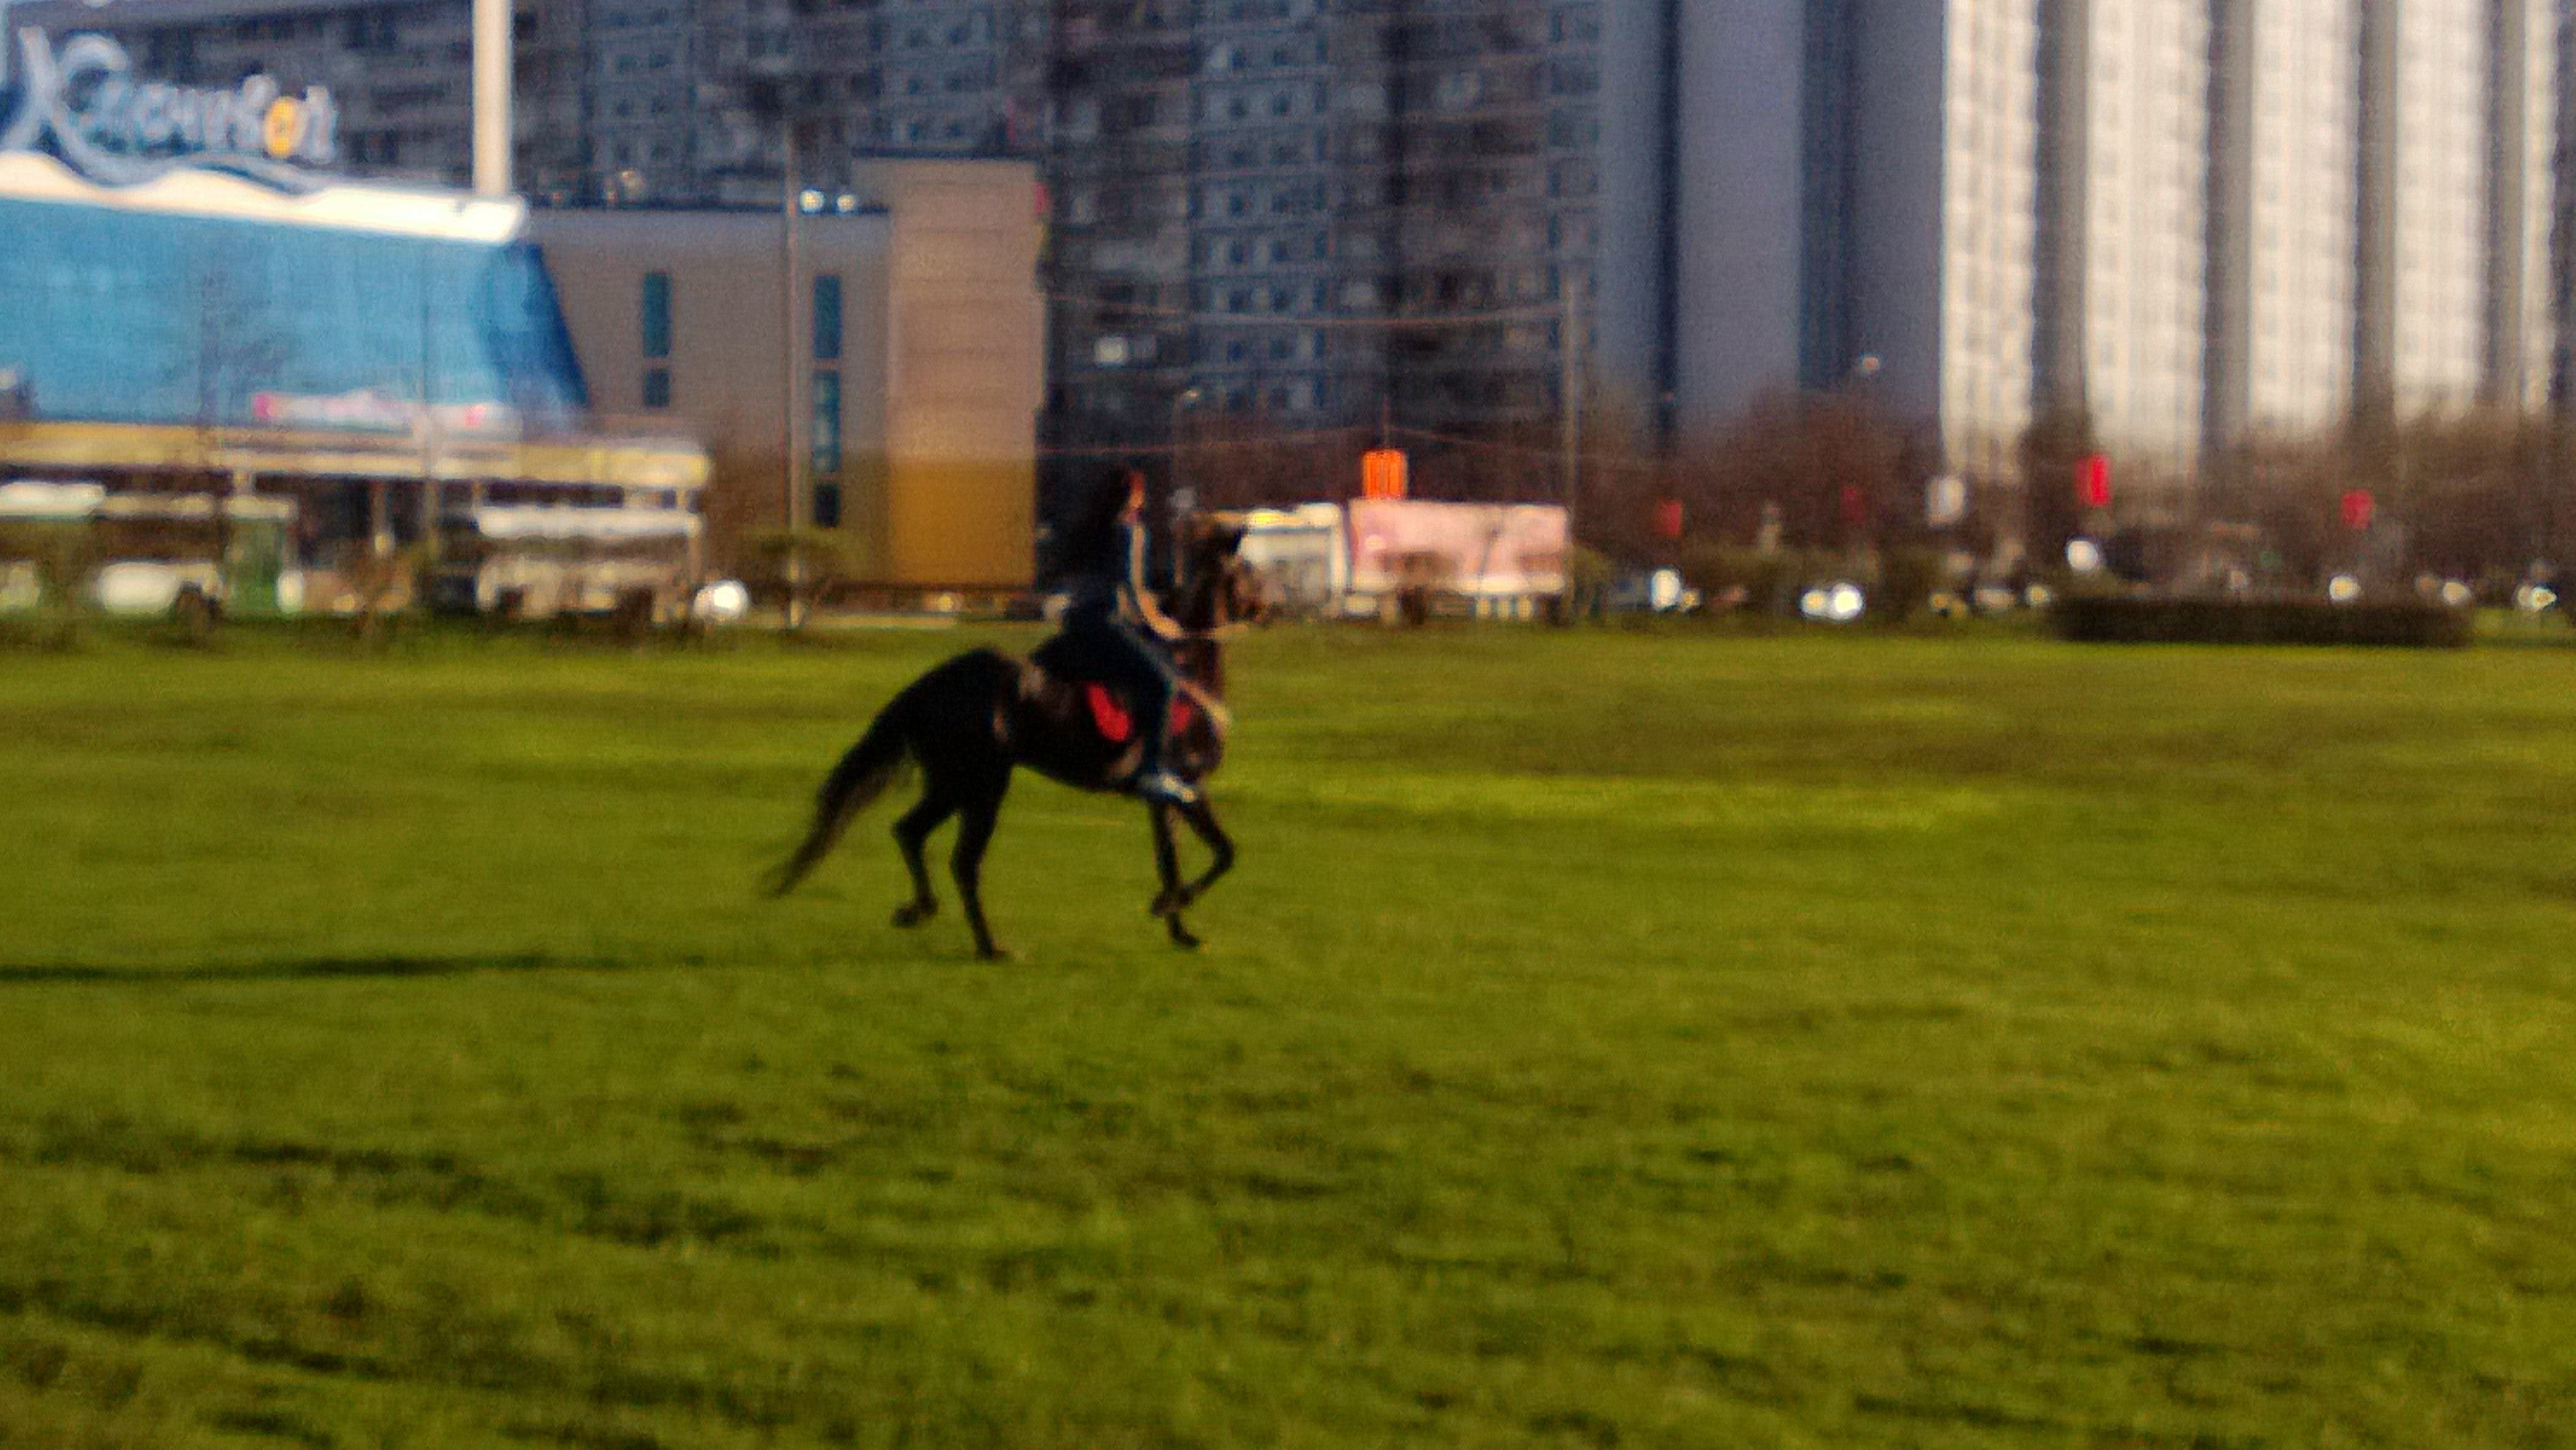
{"x":941,"y":365}
{"x":965,"y":372}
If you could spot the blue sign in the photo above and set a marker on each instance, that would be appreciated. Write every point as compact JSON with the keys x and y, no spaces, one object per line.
{"x":82,"y":103}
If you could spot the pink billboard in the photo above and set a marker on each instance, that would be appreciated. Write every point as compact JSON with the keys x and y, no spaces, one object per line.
{"x":1497,"y":550}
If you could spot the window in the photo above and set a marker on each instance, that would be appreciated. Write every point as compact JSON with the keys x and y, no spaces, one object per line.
{"x":657,"y":314}
{"x":657,"y":387}
{"x":827,"y":318}
{"x":827,"y":423}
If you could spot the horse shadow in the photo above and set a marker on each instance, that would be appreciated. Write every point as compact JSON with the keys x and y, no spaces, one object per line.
{"x":296,"y":969}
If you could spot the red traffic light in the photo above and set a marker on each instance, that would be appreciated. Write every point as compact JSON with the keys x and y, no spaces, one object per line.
{"x":1668,"y":519}
{"x":2357,"y":509}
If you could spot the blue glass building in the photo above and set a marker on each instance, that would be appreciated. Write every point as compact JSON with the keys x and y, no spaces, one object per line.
{"x":336,"y":369}
{"x":207,"y":325}
{"x":119,"y":316}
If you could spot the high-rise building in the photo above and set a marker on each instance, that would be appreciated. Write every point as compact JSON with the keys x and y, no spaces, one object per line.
{"x":1320,"y":211}
{"x":2191,"y":222}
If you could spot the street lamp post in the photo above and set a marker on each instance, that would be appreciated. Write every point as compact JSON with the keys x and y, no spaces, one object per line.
{"x":792,"y":358}
{"x":1571,"y":362}
{"x":1182,"y":401}
{"x":492,"y":98}
{"x":1183,"y":496}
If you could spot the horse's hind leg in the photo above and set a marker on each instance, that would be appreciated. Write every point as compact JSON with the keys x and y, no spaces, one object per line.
{"x":976,"y":817}
{"x":911,"y":833}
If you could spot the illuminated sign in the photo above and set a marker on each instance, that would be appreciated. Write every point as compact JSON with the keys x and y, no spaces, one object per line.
{"x":373,"y":409}
{"x":82,"y":102}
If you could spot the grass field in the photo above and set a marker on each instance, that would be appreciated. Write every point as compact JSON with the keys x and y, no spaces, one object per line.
{"x":1608,"y":1039}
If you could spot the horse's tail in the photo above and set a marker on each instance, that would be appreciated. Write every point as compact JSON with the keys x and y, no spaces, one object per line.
{"x":863,"y":774}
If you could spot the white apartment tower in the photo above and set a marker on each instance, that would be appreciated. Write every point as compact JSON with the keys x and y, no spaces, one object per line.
{"x":1990,"y":192}
{"x":2197,"y":221}
{"x":2301,"y":231}
{"x":2146,"y":159}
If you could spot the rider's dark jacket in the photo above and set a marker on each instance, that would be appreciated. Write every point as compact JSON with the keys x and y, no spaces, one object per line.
{"x":1105,"y":579}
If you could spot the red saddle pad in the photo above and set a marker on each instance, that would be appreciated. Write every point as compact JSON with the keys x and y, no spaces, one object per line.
{"x":1110,"y":713}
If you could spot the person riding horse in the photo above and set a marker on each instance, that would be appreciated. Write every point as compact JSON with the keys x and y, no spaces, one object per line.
{"x":973,"y":719}
{"x":1117,"y":630}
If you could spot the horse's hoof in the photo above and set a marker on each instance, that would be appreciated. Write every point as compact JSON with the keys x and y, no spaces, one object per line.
{"x":996,"y":954}
{"x":1182,"y":937}
{"x":914,"y":913}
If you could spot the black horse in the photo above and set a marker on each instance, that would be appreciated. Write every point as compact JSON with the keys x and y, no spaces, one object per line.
{"x":970,"y":720}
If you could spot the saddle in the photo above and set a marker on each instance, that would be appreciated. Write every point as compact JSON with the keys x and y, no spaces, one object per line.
{"x":1065,"y":660}
{"x":1116,"y":723}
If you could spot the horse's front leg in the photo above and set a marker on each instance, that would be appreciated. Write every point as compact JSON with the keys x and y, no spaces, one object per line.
{"x":1202,"y":819}
{"x":1167,"y":868}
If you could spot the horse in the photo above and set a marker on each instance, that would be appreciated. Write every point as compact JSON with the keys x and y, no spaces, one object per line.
{"x":971,"y":720}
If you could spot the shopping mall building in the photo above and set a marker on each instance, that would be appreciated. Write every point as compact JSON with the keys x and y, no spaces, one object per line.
{"x":198,"y":320}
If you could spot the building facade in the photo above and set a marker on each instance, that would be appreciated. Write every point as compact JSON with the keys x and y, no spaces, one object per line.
{"x":195,"y":291}
{"x":400,"y":71}
{"x":1320,"y":212}
{"x":353,"y":362}
{"x":2192,"y":223}
{"x":876,"y":375}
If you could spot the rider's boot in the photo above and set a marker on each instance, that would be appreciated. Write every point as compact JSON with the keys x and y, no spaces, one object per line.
{"x":1155,"y":781}
{"x":1162,"y":787}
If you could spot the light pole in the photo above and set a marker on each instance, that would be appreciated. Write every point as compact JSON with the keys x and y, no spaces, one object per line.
{"x":1571,"y":361}
{"x":1182,"y":495}
{"x":492,"y":98}
{"x":791,"y":360}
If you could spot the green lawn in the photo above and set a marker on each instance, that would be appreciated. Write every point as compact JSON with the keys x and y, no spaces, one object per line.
{"x":1608,"y":1039}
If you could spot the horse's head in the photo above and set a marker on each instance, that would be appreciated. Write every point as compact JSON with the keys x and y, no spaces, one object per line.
{"x":1216,"y":589}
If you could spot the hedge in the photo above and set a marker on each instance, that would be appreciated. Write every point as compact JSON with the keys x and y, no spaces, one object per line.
{"x":2128,"y":619}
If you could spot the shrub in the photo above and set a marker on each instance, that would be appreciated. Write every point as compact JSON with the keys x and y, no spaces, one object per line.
{"x":1588,"y":577}
{"x":2111,"y":619}
{"x":1907,"y":578}
{"x":1767,"y":583}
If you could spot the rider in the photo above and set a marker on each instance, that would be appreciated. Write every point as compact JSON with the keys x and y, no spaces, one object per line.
{"x":1108,"y":610}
